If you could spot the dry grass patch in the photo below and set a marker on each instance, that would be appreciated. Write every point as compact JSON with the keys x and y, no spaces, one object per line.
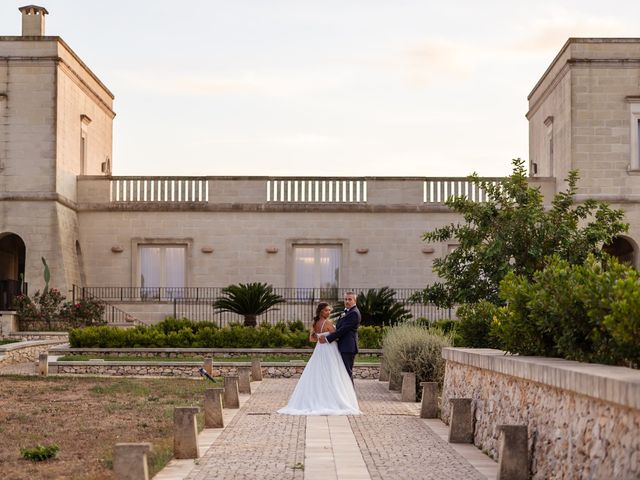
{"x":86,"y":417}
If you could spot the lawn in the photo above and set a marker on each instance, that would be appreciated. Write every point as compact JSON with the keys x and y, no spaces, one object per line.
{"x":86,"y":417}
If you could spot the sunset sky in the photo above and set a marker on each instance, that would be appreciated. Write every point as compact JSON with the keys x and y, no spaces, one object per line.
{"x":351,"y":88}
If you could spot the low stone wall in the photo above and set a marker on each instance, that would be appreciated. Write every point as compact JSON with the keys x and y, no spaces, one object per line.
{"x":195,"y":352}
{"x":190,"y":369}
{"x":583,"y":419}
{"x":22,"y":352}
{"x":63,"y":337}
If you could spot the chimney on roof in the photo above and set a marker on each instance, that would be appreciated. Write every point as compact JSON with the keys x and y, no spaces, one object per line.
{"x":33,"y":20}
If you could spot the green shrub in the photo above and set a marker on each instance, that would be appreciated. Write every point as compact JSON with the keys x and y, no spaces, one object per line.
{"x":183,"y":333}
{"x":40,"y":452}
{"x":588,"y":312}
{"x":474,"y":325}
{"x":370,"y":336}
{"x":411,"y":348}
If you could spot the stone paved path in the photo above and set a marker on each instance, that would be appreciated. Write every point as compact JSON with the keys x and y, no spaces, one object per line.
{"x":392,"y":440}
{"x":396,"y":444}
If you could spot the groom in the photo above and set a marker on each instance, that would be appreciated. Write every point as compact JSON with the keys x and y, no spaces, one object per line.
{"x":347,"y":332}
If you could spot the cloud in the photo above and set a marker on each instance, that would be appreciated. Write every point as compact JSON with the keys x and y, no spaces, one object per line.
{"x":437,"y":59}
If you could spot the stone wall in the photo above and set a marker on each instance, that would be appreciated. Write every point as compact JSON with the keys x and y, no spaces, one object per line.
{"x":193,"y":352}
{"x":23,"y":352}
{"x":60,"y":336}
{"x":190,"y":369}
{"x":583,"y":419}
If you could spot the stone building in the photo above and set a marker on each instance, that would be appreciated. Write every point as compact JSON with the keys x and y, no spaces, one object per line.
{"x":58,"y":199}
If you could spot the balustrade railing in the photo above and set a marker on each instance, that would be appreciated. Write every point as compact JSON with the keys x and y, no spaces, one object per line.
{"x":287,"y":190}
{"x":438,"y":190}
{"x":159,"y":189}
{"x":316,"y":190}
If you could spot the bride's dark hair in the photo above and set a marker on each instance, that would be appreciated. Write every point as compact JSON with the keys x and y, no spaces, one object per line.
{"x":321,"y":306}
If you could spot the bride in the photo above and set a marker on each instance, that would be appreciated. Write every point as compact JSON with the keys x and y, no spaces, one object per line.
{"x":324,"y":387}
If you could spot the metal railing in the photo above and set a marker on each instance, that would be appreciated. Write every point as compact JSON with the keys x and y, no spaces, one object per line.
{"x":196,"y":303}
{"x":111,"y":313}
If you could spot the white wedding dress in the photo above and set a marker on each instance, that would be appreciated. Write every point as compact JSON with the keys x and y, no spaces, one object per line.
{"x":324,"y":388}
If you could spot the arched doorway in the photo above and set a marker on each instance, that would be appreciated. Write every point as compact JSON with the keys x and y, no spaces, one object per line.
{"x":12,"y":260}
{"x":624,"y":249}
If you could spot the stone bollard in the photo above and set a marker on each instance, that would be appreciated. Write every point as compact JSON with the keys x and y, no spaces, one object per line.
{"x":231,"y":397}
{"x":461,"y":422}
{"x":408,"y":387}
{"x":513,"y":453}
{"x":244,"y":380}
{"x":43,"y":363}
{"x":208,"y":365}
{"x":185,"y":432}
{"x":384,"y":370}
{"x":130,"y":461}
{"x":256,"y":370}
{"x":429,"y":406}
{"x":395,"y":381}
{"x":213,"y":408}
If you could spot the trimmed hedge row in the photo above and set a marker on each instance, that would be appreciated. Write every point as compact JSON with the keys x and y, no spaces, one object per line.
{"x":184,"y":333}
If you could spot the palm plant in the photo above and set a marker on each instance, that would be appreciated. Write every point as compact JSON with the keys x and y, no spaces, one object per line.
{"x":248,"y":300}
{"x":378,"y":307}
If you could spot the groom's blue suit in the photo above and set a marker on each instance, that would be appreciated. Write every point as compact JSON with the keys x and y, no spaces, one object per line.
{"x":347,"y":335}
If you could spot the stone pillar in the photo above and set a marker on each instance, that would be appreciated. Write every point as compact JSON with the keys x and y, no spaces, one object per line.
{"x":130,"y":461}
{"x":213,"y":408}
{"x":513,"y":453}
{"x":461,"y":423}
{"x":395,"y":381}
{"x":408,"y":387}
{"x":256,"y":370}
{"x":208,"y":365}
{"x":231,"y":398}
{"x":244,"y":380}
{"x":185,"y":432}
{"x":43,"y":363}
{"x":429,"y":406}
{"x":384,"y":370}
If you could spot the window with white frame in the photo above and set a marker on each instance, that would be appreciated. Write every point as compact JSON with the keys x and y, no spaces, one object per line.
{"x":316,"y":266}
{"x":634,"y":134}
{"x":162,"y":266}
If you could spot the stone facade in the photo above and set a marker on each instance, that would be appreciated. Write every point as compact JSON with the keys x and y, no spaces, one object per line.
{"x":583,"y":420}
{"x":581,"y":117}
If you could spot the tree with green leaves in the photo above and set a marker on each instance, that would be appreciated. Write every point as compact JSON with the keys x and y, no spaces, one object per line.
{"x":512,"y":231}
{"x":378,"y":307}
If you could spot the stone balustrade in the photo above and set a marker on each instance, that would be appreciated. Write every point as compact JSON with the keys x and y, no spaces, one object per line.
{"x":583,"y":420}
{"x":190,"y":369}
{"x":216,"y":193}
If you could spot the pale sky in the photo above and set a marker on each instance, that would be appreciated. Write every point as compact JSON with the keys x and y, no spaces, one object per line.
{"x":323,"y":87}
